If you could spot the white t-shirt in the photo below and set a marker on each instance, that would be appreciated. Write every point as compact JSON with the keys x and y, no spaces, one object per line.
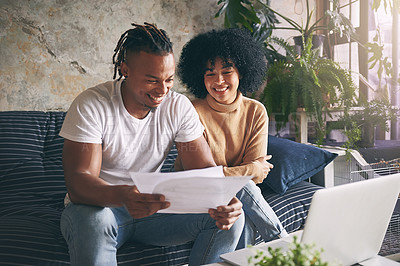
{"x":98,"y":115}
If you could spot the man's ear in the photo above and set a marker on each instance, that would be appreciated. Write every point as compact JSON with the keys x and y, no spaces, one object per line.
{"x":124,"y":69}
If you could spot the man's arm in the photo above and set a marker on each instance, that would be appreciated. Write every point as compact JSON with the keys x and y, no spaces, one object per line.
{"x":82,"y":163}
{"x":195,"y":154}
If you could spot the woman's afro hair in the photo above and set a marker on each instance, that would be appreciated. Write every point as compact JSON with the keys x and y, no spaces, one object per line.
{"x":235,"y":45}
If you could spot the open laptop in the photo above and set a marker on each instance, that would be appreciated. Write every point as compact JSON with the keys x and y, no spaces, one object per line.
{"x":348,"y":221}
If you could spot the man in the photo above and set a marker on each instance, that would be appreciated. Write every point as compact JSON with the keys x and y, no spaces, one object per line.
{"x":129,"y":125}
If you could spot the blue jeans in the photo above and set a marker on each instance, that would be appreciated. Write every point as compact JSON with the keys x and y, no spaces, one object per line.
{"x":259,"y":216}
{"x":95,"y":233}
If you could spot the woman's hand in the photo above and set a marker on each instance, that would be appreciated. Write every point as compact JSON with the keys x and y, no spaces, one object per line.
{"x":266,"y":167}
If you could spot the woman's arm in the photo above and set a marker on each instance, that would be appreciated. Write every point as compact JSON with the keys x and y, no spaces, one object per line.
{"x":255,"y":157}
{"x":258,"y":168}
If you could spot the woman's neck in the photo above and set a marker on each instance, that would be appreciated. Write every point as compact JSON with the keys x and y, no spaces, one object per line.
{"x":224,"y":108}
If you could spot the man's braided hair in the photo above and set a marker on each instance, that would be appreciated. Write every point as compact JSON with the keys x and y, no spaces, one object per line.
{"x":147,"y":38}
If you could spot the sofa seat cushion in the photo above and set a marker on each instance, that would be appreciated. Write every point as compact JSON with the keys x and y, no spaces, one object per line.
{"x":31,"y":240}
{"x":30,"y":235}
{"x":139,"y":254}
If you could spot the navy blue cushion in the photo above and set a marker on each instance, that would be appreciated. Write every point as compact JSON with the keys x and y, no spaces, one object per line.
{"x":293,"y":162}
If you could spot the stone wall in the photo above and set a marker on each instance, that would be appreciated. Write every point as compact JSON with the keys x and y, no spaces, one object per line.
{"x":51,"y":50}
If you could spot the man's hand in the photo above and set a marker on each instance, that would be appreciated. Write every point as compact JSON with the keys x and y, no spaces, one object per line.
{"x":141,"y":205}
{"x":226,"y":216}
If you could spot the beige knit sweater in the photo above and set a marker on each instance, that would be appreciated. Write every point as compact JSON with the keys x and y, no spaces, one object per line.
{"x":236,"y":133}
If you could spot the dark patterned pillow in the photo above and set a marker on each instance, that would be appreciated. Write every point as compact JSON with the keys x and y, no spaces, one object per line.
{"x":30,"y":155}
{"x":293,"y":162}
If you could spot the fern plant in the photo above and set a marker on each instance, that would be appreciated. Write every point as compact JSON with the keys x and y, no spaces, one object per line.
{"x":307,"y":81}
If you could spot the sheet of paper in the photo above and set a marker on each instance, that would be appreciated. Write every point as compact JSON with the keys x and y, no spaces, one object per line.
{"x":147,"y":181}
{"x":193,"y":191}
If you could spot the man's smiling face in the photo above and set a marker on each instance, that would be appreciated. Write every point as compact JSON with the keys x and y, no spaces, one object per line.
{"x":149,"y":77}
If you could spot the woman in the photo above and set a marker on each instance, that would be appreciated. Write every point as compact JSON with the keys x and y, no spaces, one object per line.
{"x":217,"y":67}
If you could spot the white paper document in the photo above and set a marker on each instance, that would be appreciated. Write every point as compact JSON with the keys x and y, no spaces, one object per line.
{"x":193,"y":191}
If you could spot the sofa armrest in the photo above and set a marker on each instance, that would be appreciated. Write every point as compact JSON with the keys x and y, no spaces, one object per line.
{"x":326,"y":177}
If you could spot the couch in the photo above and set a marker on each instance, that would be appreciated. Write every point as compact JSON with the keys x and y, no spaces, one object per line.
{"x":32,"y":191}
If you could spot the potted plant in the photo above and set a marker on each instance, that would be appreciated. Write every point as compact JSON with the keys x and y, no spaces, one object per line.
{"x":299,"y":254}
{"x":308,"y":81}
{"x":261,"y":20}
{"x":333,"y":20}
{"x":362,"y":122}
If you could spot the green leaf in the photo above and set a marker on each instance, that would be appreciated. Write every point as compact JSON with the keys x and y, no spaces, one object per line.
{"x":238,"y":12}
{"x":299,"y":254}
{"x":221,"y":10}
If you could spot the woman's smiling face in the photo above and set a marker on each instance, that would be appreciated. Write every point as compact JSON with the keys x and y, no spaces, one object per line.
{"x":222,"y":80}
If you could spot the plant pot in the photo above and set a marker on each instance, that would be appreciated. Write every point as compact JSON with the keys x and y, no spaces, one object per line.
{"x":317,"y":43}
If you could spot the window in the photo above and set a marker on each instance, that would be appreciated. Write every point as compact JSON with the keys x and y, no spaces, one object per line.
{"x":354,"y":56}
